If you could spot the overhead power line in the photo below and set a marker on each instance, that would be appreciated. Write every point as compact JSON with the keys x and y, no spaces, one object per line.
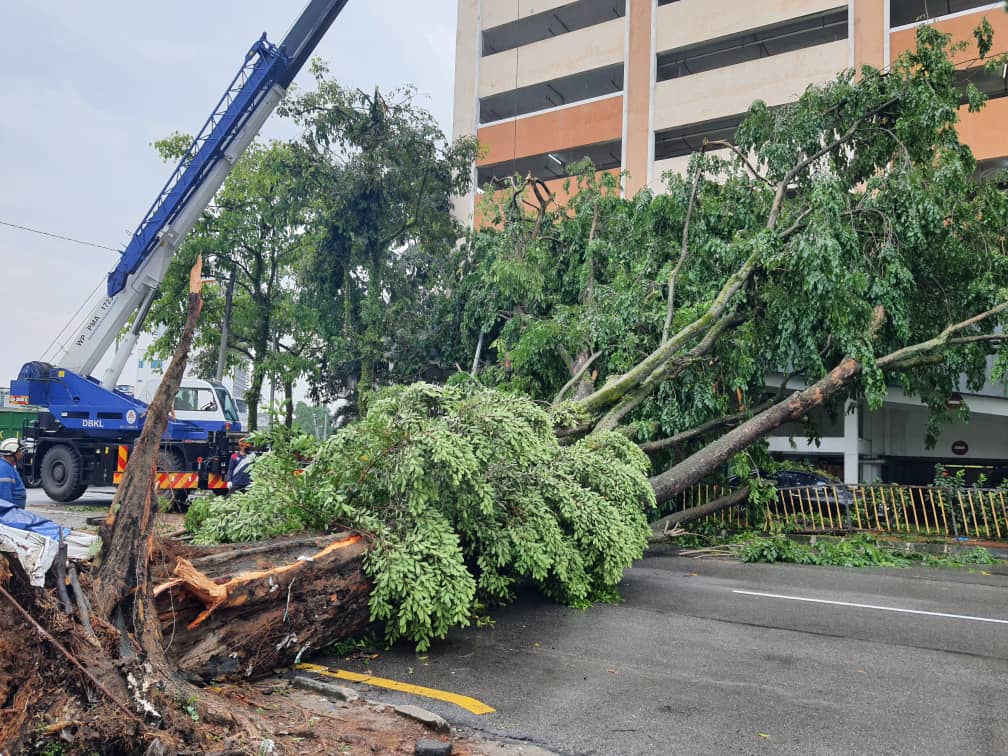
{"x":59,"y":236}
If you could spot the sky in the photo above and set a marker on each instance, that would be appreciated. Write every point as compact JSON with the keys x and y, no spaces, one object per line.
{"x":85,"y":88}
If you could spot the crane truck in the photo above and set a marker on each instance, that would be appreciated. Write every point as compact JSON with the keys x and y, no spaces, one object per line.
{"x":86,"y":427}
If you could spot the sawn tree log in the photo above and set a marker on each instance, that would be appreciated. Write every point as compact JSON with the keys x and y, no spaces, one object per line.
{"x":242,"y":610}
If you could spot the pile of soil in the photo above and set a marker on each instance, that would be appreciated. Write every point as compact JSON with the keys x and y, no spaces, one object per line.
{"x":48,"y":706}
{"x":300,"y":722}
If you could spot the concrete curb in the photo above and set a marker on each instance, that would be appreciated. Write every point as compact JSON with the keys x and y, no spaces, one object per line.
{"x":329,"y":690}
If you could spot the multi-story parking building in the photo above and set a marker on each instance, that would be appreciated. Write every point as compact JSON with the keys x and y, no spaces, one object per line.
{"x":637,"y":85}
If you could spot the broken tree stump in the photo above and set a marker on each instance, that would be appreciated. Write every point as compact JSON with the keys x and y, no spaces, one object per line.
{"x":242,"y":610}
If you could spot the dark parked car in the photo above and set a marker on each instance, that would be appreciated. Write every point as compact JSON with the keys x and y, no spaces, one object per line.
{"x":812,"y":489}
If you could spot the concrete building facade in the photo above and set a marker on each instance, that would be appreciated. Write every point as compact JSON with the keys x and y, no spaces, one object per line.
{"x":637,"y":85}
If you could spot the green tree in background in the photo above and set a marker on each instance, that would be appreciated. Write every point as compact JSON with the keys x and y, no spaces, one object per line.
{"x":379,"y":175}
{"x":314,"y":421}
{"x":256,"y":232}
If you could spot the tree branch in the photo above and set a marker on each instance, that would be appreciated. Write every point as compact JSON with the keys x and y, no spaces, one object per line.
{"x":668,"y":369}
{"x":732,"y":498}
{"x":894,"y":359}
{"x":797,"y":224}
{"x":575,"y":378}
{"x":726,"y":421}
{"x":723,"y":144}
{"x":807,"y":161}
{"x":684,"y":249}
{"x":692,"y":469}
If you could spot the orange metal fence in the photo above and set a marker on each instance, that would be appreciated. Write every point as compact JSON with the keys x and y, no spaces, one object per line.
{"x":922,"y":510}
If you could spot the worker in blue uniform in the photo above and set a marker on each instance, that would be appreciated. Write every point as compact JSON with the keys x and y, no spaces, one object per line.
{"x":239,"y":475}
{"x":12,"y":488}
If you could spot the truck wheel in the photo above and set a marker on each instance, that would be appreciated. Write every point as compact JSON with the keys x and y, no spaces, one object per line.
{"x":60,"y":474}
{"x":172,"y":499}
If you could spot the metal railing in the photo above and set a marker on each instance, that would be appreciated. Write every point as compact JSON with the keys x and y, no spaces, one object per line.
{"x":920,"y":510}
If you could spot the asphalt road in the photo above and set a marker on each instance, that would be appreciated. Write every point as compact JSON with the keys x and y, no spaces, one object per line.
{"x":717,"y":657}
{"x":95,"y":501}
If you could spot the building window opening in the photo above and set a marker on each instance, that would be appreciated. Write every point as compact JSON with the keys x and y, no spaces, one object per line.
{"x":685,"y":140}
{"x":555,"y":93}
{"x":552,"y":23}
{"x":551,"y":165}
{"x":795,"y":34}
{"x":994,"y":83}
{"x":903,"y":12}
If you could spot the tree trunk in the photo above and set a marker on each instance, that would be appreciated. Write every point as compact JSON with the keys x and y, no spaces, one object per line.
{"x":226,"y":325}
{"x":126,"y":542}
{"x":253,"y":396}
{"x":694,"y":468}
{"x":713,"y":506}
{"x":288,"y":385}
{"x":371,"y":337}
{"x":240,"y":611}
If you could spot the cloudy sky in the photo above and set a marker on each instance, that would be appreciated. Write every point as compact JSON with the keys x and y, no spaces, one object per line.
{"x":86,"y":87}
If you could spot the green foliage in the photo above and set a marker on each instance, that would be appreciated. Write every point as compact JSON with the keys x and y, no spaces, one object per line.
{"x":859,"y":550}
{"x":272,"y":506}
{"x":984,"y":35}
{"x":255,"y":232}
{"x":196,"y":515}
{"x":467,"y":495}
{"x":879,"y":213}
{"x":976,"y":555}
{"x":313,"y":421}
{"x":380,"y":176}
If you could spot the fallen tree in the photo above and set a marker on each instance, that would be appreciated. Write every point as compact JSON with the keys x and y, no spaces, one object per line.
{"x":860,"y":198}
{"x":844,"y":241}
{"x":466,"y":495}
{"x":117,"y":677}
{"x":456,"y":497}
{"x":240,"y":613}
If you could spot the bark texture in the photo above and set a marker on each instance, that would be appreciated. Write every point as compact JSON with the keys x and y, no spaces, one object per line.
{"x":694,"y":468}
{"x":131,"y":520}
{"x":242,"y":610}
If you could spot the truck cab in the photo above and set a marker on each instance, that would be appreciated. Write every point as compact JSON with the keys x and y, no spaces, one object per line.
{"x":207,"y":404}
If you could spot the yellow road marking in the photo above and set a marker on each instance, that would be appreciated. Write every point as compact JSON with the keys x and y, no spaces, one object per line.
{"x":467,"y":703}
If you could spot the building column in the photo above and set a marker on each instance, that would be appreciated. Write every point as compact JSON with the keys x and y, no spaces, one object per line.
{"x":870,"y":32}
{"x":851,"y":470}
{"x":638,"y":90}
{"x":466,"y":116}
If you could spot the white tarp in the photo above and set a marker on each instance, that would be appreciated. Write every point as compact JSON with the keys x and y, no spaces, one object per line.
{"x":37,"y":552}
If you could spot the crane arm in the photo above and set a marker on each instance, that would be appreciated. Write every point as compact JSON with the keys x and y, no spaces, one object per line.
{"x":251,"y":97}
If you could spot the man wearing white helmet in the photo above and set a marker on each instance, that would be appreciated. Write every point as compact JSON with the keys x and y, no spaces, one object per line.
{"x":12,"y":488}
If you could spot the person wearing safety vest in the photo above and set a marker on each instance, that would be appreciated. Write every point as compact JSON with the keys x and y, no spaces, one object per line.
{"x":12,"y":488}
{"x":239,"y":467}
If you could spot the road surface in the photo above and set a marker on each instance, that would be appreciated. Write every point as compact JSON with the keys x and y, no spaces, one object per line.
{"x":94,"y":502}
{"x":718,"y":657}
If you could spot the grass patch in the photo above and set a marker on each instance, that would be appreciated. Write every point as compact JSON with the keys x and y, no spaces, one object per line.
{"x":857,"y":550}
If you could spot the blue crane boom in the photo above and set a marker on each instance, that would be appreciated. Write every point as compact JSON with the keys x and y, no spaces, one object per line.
{"x":83,"y":419}
{"x":249,"y":86}
{"x":265,"y":65}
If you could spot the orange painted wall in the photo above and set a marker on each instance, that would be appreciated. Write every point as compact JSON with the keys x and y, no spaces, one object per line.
{"x":578,"y":125}
{"x":961,"y":29}
{"x":638,"y":94}
{"x":869,"y":33}
{"x":985,"y":132}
